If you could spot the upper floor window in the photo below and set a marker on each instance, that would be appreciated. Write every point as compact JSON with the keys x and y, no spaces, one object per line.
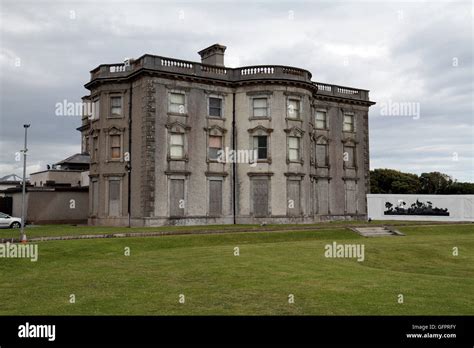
{"x":215,"y":107}
{"x":115,"y":146}
{"x":95,"y":109}
{"x":177,"y":103}
{"x":349,"y":156}
{"x":321,"y":119}
{"x":177,"y":146}
{"x":322,"y":152}
{"x":293,"y":149}
{"x":116,"y":106}
{"x":260,"y":107}
{"x":215,"y":145}
{"x":260,"y":145}
{"x":95,"y":149}
{"x":348,"y":125}
{"x":293,"y":108}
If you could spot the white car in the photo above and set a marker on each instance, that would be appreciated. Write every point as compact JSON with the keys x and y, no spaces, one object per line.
{"x":7,"y":221}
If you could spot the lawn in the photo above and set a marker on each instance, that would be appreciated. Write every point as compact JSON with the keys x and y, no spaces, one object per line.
{"x":271,"y":266}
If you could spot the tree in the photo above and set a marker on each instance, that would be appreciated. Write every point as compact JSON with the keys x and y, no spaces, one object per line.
{"x":435,"y":182}
{"x":393,"y":181}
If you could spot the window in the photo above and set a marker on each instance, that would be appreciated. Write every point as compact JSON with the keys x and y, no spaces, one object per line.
{"x":321,"y":120}
{"x":322,"y":155}
{"x":177,"y":146}
{"x":95,"y":149}
{"x":215,"y":107}
{"x":293,"y":108}
{"x":215,"y":197}
{"x":177,"y":203}
{"x":349,"y":156}
{"x":294,"y":197}
{"x":215,"y":145}
{"x":115,"y":148}
{"x":260,"y":107}
{"x":177,"y":103}
{"x":260,"y":194}
{"x":348,"y":123}
{"x":95,"y":109}
{"x":260,"y":145}
{"x":95,"y":197}
{"x":293,"y":148}
{"x":114,"y":197}
{"x":116,"y":106}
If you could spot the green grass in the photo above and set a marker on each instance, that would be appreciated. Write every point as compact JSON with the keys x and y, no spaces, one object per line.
{"x":64,"y":230}
{"x":271,"y":265}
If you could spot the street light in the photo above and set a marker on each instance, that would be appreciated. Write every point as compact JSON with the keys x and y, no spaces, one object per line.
{"x":23,"y":195}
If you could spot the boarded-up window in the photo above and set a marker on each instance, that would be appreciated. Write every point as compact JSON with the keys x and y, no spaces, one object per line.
{"x":293,"y":148}
{"x":95,"y":149}
{"x":177,"y":103}
{"x":215,"y":197}
{"x":323,"y":195}
{"x":348,"y":156}
{"x":115,"y":148}
{"x":260,"y":107}
{"x":215,"y":107}
{"x":177,"y":203}
{"x":215,"y":145}
{"x":95,"y":197}
{"x":351,"y":203}
{"x":260,"y":197}
{"x":114,"y":197}
{"x":294,"y":208}
{"x":321,"y":155}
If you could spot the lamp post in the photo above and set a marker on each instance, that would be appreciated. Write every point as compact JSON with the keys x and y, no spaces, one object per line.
{"x":23,"y":195}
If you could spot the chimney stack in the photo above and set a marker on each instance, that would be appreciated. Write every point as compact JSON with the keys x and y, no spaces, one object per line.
{"x":213,"y":55}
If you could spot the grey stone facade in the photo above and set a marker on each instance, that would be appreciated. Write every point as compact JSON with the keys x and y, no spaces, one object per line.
{"x":158,"y":123}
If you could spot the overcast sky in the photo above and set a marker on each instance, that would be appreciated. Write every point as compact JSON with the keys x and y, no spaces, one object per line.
{"x":403,"y":52}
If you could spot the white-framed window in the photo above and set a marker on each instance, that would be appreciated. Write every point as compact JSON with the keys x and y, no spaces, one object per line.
{"x":116,"y":106}
{"x":321,"y":119}
{"x":215,"y":145}
{"x":293,"y":108}
{"x":260,"y":107}
{"x":176,"y":146}
{"x":215,"y":107}
{"x":348,"y":125}
{"x":293,"y":149}
{"x":95,"y":109}
{"x":177,"y":102}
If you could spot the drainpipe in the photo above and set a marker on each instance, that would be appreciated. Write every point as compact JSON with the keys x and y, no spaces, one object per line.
{"x":129,"y":164}
{"x":234,"y":164}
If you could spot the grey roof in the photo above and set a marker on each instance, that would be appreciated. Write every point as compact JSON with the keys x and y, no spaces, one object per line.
{"x":11,"y":177}
{"x":78,"y":158}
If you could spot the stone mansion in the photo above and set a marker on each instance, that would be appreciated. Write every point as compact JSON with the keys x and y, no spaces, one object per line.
{"x":158,"y":128}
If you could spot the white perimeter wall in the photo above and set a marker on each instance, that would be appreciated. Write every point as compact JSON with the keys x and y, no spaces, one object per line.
{"x":460,"y":207}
